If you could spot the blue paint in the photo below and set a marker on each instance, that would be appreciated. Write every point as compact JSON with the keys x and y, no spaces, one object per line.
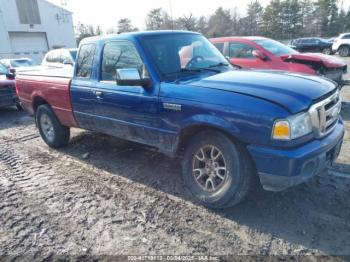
{"x":244,"y":104}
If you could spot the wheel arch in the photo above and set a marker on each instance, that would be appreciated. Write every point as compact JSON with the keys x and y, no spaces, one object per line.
{"x":342,"y":45}
{"x":38,"y":101}
{"x":205,"y":123}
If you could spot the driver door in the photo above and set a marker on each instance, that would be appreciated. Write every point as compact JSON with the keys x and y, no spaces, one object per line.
{"x":129,"y":112}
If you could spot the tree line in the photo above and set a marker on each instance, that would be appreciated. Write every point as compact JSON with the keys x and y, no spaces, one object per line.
{"x":280,"y":19}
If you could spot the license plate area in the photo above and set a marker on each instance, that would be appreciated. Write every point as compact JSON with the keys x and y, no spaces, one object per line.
{"x":333,"y":154}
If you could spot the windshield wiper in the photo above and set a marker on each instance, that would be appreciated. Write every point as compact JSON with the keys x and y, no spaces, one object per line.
{"x":221,"y":64}
{"x":191,"y":71}
{"x":183,"y":71}
{"x":210,"y":68}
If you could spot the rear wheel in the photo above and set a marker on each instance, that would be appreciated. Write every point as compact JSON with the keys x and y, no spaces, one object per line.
{"x":52,"y":132}
{"x":344,"y":51}
{"x":327,"y":51}
{"x":217,"y":171}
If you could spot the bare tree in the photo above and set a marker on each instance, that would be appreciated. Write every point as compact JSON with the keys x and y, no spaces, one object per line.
{"x":124,"y":25}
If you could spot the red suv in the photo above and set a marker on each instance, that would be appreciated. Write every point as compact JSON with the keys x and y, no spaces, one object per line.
{"x":265,"y":53}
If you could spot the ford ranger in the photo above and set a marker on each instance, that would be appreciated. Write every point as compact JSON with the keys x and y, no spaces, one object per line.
{"x":231,"y":127}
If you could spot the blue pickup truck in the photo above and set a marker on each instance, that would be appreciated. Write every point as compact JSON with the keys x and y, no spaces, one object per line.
{"x":173,"y":90}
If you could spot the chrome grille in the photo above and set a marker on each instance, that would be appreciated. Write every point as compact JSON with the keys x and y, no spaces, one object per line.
{"x":325,"y":115}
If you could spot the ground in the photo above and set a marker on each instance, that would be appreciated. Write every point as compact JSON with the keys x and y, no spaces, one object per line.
{"x":103,"y":196}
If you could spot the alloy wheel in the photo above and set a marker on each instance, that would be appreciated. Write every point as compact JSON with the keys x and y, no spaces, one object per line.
{"x":47,"y":127}
{"x":209,"y":168}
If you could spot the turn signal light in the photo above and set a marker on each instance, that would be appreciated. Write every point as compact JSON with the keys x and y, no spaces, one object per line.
{"x":281,"y":130}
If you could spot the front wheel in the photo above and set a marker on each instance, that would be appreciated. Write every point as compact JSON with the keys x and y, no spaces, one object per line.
{"x":344,"y":51}
{"x":327,"y":51}
{"x":217,"y":171}
{"x":52,"y":132}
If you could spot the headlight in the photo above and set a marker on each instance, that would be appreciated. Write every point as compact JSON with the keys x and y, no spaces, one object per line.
{"x":293,"y":127}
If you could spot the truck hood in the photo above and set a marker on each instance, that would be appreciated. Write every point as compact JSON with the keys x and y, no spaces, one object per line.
{"x":327,"y":60}
{"x":294,"y":92}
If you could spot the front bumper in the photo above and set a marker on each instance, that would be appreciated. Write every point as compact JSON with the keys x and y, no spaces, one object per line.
{"x":8,"y":96}
{"x":336,"y":74}
{"x":280,"y":169}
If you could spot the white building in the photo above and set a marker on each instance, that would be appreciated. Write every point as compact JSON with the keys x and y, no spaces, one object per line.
{"x":30,"y":28}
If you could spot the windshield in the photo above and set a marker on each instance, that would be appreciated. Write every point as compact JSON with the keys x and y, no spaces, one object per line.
{"x":22,"y":63}
{"x":182,"y":52}
{"x":274,"y":47}
{"x":3,"y":70}
{"x":73,"y":53}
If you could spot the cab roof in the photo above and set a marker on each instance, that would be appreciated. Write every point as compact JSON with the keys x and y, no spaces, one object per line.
{"x":133,"y":35}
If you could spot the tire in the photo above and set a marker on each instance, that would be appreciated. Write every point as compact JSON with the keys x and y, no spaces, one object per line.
{"x":52,"y":132}
{"x":344,"y":51}
{"x":19,"y":107}
{"x":233,"y":184}
{"x":327,"y":51}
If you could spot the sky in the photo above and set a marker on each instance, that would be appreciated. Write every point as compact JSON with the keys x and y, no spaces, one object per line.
{"x":106,"y":13}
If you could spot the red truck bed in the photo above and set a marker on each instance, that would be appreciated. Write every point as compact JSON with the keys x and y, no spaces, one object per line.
{"x":51,"y":85}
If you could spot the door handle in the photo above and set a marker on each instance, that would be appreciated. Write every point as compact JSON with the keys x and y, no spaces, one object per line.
{"x":98,"y":94}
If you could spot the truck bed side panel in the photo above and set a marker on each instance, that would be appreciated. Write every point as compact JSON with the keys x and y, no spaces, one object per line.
{"x":53,"y":90}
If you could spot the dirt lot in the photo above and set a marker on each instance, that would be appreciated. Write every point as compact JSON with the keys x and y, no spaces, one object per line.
{"x":103,"y":196}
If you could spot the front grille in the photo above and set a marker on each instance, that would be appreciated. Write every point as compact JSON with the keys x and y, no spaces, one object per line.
{"x":7,"y":90}
{"x":325,"y":115}
{"x":7,"y":93}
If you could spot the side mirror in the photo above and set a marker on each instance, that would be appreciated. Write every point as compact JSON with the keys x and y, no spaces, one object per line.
{"x":259,"y":54}
{"x":12,"y":70}
{"x":67,"y":62}
{"x":10,"y":76}
{"x":131,"y":77}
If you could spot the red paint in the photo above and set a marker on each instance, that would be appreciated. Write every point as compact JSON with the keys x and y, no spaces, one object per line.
{"x":53,"y":90}
{"x":278,"y":62}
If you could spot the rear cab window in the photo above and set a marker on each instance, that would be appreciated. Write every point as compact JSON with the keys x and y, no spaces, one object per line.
{"x":85,"y":61}
{"x":3,"y":70}
{"x":73,"y":54}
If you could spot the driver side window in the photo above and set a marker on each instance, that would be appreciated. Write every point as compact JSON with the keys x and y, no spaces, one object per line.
{"x":118,"y":55}
{"x":3,"y":70}
{"x":240,"y":50}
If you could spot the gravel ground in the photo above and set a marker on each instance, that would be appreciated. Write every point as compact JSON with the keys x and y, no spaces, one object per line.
{"x":104,"y":196}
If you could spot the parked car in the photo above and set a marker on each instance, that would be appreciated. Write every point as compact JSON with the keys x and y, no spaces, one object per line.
{"x":60,"y":58}
{"x":332,"y":40}
{"x":8,"y":95}
{"x":342,"y":45}
{"x":265,"y":53}
{"x":19,"y":64}
{"x":229,"y":126}
{"x":312,"y":44}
